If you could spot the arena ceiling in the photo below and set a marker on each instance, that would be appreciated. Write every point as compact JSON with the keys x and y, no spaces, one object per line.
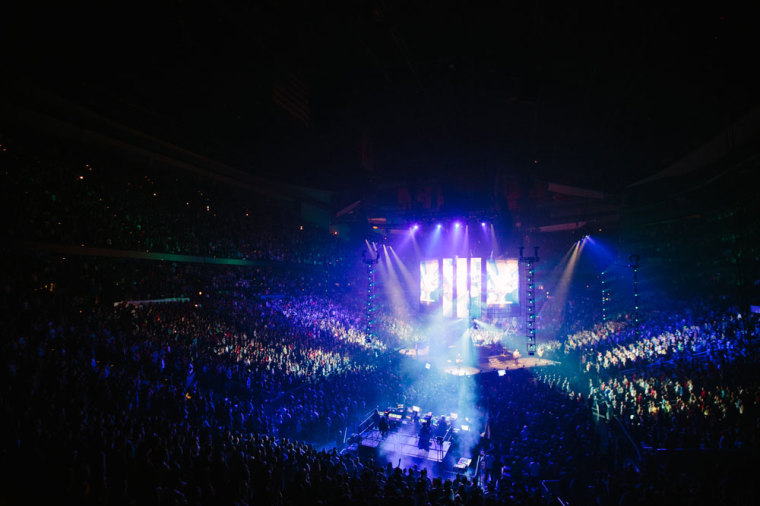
{"x":351,"y":95}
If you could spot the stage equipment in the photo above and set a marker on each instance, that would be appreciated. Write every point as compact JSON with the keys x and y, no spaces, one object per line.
{"x":634,"y":264}
{"x":531,"y":296}
{"x":605,"y":300}
{"x":371,"y":262}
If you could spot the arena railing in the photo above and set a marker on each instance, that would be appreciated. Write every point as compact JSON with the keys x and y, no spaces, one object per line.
{"x":366,"y":423}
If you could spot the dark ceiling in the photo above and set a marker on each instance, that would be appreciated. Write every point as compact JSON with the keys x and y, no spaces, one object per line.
{"x":595,"y":94}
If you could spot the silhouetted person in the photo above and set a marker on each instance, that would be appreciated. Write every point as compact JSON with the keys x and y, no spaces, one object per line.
{"x":424,"y":443}
{"x":383,"y":425}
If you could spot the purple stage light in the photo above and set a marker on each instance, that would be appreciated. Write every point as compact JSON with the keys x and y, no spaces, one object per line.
{"x":482,"y":223}
{"x":438,"y":226}
{"x":456,"y":224}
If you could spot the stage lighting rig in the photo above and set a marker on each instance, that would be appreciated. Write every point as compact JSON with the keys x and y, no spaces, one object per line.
{"x":371,"y":261}
{"x":634,"y":264}
{"x":531,"y":289}
{"x":367,"y":259}
{"x":605,"y":294}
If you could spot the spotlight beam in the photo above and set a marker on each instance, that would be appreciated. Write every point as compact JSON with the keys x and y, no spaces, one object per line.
{"x":408,"y":278}
{"x":555,"y":308}
{"x":494,"y":244}
{"x":394,"y":291}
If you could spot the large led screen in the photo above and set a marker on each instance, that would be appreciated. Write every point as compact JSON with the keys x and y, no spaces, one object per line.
{"x":430,"y":282}
{"x":463,"y":295}
{"x":476,"y":287}
{"x":502,"y":282}
{"x":458,"y":285}
{"x":448,"y":286}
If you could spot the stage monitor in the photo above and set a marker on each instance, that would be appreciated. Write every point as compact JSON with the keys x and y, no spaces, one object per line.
{"x":502,"y":282}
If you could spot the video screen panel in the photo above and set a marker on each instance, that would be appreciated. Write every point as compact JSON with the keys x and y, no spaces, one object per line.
{"x":430,"y":282}
{"x":448,"y":287}
{"x":502,"y":282}
{"x":463,"y":295}
{"x":476,"y":287}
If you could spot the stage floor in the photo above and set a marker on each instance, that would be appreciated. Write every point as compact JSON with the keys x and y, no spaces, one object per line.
{"x":487,"y":361}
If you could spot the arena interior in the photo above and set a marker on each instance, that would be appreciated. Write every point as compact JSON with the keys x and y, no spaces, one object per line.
{"x":425,"y":253}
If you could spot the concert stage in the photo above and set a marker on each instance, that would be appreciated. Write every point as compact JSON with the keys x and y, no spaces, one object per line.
{"x":401,"y":441}
{"x":399,"y":444}
{"x":488,"y":360}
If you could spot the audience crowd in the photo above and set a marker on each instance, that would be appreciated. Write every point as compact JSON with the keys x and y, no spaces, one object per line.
{"x":60,"y":194}
{"x":682,"y":379}
{"x":248,"y":386}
